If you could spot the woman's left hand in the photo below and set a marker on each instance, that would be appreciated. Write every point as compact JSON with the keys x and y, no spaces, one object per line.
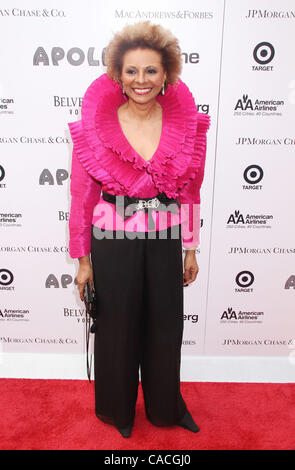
{"x":191,"y":267}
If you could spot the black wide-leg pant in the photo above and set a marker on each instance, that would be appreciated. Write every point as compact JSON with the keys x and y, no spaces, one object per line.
{"x":139,"y":288}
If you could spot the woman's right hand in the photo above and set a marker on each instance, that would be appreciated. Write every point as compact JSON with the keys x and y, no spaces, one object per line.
{"x":85,"y":274}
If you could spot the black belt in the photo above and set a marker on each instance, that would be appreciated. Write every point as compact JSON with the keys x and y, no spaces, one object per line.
{"x":126,"y":206}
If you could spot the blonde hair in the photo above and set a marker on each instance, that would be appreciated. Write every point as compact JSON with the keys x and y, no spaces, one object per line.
{"x":144,"y":35}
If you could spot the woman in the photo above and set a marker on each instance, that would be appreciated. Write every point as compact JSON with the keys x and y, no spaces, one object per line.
{"x":142,"y":141}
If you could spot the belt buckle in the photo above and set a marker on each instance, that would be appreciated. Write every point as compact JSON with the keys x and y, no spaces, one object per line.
{"x":150,"y":204}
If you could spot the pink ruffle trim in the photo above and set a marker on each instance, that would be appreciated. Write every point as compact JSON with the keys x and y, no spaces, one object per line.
{"x":107,"y":155}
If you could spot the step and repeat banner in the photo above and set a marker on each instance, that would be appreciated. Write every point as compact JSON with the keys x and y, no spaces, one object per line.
{"x":237,"y":61}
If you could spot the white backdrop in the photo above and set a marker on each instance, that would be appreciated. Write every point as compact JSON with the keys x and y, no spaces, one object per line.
{"x":237,"y":63}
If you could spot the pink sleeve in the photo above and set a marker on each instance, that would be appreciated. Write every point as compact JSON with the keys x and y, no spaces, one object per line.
{"x":190,"y":195}
{"x":85,"y":194}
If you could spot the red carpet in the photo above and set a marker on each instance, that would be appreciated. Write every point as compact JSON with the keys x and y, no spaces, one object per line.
{"x":59,"y":414}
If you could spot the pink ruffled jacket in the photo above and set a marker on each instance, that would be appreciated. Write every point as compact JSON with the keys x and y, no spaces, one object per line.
{"x":102,"y":158}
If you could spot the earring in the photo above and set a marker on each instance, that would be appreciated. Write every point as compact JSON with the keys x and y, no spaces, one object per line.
{"x":123,"y":91}
{"x":163,"y":89}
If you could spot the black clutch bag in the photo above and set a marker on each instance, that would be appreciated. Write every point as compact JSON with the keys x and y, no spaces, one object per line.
{"x":90,"y":321}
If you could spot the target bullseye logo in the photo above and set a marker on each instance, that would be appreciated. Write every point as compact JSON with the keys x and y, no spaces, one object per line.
{"x":244,"y":278}
{"x":264,"y":53}
{"x":2,"y":173}
{"x":253,"y":174}
{"x":6,"y":277}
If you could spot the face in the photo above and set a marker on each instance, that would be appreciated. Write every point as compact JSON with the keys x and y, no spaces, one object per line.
{"x":142,"y":74}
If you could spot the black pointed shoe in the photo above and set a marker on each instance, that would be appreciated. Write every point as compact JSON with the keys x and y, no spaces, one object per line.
{"x":187,"y":422}
{"x":126,"y":432}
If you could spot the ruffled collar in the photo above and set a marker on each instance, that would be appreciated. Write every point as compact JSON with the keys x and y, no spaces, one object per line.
{"x":100,"y":139}
{"x":100,"y":120}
